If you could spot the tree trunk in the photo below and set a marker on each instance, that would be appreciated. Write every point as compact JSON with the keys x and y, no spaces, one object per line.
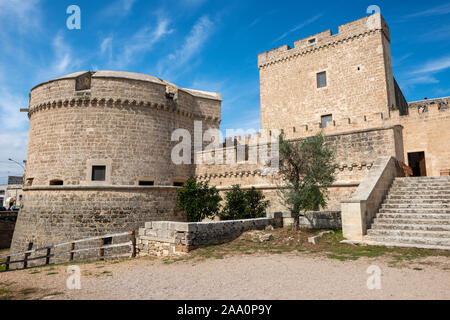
{"x":296,"y":225}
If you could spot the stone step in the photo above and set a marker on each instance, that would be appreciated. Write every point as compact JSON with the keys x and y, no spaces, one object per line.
{"x":431,"y":185}
{"x":410,"y":233}
{"x":417,"y":210}
{"x":417,"y":197}
{"x":417,"y":205}
{"x":417,"y":201}
{"x":412,"y":221}
{"x":419,"y":189}
{"x":399,"y":242}
{"x":442,"y":194}
{"x":423,"y":180}
{"x":409,"y":226}
{"x":430,"y":216}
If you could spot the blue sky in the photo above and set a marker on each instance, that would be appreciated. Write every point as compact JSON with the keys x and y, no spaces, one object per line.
{"x":199,"y":44}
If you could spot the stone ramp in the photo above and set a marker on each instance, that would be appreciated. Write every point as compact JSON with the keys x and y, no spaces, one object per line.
{"x":416,"y":213}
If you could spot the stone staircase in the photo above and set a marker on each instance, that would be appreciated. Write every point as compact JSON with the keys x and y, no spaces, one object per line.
{"x":416,"y":213}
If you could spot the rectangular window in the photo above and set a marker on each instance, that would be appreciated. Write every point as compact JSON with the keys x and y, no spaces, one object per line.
{"x":311,"y":41}
{"x":146,"y":183}
{"x":321,"y":79}
{"x":98,"y":173}
{"x":326,"y":119}
{"x":178,"y":184}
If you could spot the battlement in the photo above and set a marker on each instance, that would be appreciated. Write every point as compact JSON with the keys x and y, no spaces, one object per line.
{"x":326,"y":38}
{"x":238,"y":149}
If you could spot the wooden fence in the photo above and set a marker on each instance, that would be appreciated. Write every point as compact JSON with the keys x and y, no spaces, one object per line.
{"x":71,"y":252}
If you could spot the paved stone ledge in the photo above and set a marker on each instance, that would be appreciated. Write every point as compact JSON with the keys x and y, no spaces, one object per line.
{"x":162,"y":238}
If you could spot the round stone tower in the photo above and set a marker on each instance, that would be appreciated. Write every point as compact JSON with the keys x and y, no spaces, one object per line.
{"x":99,"y":154}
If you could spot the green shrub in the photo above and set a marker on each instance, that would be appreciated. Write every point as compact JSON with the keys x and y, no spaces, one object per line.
{"x":198,"y":200}
{"x":241,"y":204}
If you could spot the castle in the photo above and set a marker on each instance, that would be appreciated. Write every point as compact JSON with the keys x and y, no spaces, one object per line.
{"x":99,"y":152}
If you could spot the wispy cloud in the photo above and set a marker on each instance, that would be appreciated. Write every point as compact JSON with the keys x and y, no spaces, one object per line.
{"x":139,"y":44}
{"x":20,"y":15}
{"x":434,"y":66}
{"x":64,"y":60}
{"x":119,"y":8}
{"x":193,"y":43}
{"x":412,"y":81}
{"x":435,"y":11}
{"x":298,"y":27}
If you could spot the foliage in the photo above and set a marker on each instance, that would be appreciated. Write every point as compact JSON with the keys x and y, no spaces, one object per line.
{"x":198,"y":200}
{"x":307,"y":168}
{"x":244,"y":204}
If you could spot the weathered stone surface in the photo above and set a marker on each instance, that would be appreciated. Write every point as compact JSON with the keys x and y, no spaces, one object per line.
{"x":188,"y":236}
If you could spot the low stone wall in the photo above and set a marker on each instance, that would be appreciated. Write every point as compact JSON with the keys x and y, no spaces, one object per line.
{"x":170,"y":238}
{"x":316,"y":220}
{"x":7,"y":224}
{"x":359,"y":211}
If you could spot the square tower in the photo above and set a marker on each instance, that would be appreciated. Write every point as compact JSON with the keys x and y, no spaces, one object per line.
{"x":348,"y":74}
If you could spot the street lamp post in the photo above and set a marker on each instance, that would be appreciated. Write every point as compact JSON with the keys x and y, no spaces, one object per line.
{"x":16,"y":162}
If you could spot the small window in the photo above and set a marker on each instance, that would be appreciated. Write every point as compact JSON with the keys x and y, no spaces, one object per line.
{"x":98,"y":173}
{"x":56,"y":183}
{"x":321,"y":79}
{"x":146,"y":183}
{"x":178,"y":184}
{"x":83,"y":82}
{"x":107,"y":241}
{"x":311,"y":41}
{"x":326,"y":119}
{"x":29,"y":182}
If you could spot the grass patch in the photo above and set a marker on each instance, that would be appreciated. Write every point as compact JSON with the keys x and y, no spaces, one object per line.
{"x":52,"y":273}
{"x":288,"y":241}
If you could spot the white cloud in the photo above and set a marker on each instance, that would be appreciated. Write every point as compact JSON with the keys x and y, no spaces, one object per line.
{"x":435,"y":11}
{"x":411,"y":82}
{"x":434,"y":66}
{"x":19,"y":14}
{"x":300,"y":26}
{"x":10,"y":116}
{"x":119,"y":8}
{"x":64,"y":59}
{"x":140,"y":43}
{"x":194,"y":41}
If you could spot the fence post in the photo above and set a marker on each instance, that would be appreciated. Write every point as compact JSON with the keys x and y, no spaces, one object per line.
{"x":133,"y":243}
{"x":8,"y":260}
{"x":102,"y":251}
{"x":72,"y":248}
{"x":25,"y":260}
{"x":47,"y":258}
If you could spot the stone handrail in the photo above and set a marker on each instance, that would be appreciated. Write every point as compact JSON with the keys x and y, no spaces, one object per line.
{"x":359,"y":211}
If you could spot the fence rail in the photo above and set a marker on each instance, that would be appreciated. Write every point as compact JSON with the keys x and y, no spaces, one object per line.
{"x":71,"y":252}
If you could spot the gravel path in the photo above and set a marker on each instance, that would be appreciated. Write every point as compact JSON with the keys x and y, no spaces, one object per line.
{"x":286,"y":276}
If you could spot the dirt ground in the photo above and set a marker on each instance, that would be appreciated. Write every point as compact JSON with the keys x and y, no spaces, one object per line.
{"x":283,"y":268}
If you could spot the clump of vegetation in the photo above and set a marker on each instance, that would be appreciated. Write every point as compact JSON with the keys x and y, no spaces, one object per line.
{"x":198,"y":200}
{"x":307,"y":168}
{"x":244,"y":204}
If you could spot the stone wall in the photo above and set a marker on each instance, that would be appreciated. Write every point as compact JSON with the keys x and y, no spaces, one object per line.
{"x":358,"y":67}
{"x":7,"y":224}
{"x":53,"y":215}
{"x":359,"y":211}
{"x":356,"y":151}
{"x":168,"y":238}
{"x":123,"y":121}
{"x":315,"y":220}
